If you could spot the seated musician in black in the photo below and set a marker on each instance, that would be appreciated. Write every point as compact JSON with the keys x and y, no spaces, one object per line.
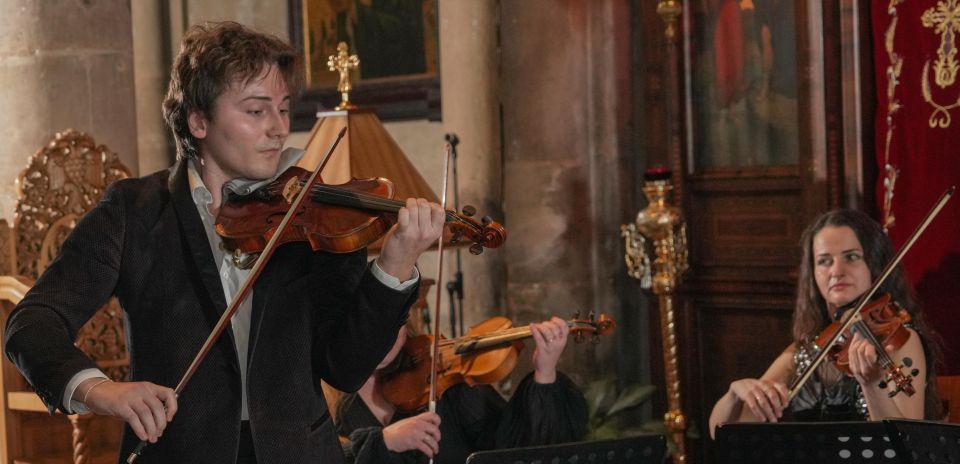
{"x":547,"y":408}
{"x":844,"y":251}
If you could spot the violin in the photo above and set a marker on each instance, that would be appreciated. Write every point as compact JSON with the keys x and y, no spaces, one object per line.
{"x":485,"y":355}
{"x":335,"y":218}
{"x":882,"y":324}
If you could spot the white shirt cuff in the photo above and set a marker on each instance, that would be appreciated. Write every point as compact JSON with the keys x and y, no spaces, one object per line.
{"x":69,"y":404}
{"x":391,"y":281}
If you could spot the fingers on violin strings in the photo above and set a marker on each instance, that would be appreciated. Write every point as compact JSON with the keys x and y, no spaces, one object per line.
{"x":403,"y":215}
{"x":438,"y":215}
{"x":423,"y":214}
{"x":540,"y":335}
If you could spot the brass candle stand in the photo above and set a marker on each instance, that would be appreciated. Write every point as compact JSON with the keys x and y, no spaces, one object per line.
{"x":663,"y":225}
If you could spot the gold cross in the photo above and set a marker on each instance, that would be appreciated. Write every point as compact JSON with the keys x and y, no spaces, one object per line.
{"x":343,"y":62}
{"x":945,"y":21}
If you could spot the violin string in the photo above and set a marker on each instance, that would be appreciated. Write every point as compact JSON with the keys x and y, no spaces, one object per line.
{"x":366,"y":200}
{"x":349,"y":198}
{"x":882,"y":357}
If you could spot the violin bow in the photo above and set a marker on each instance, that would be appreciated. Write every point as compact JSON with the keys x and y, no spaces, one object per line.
{"x":435,"y":346}
{"x":853,"y":316}
{"x":247,"y":286}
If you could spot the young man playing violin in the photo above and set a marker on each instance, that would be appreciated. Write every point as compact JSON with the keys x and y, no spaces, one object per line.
{"x":546,"y":408}
{"x":843,"y":252}
{"x":151,"y":242}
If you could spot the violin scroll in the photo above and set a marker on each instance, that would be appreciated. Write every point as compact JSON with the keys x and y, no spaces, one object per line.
{"x":485,"y":234}
{"x":603,"y":325}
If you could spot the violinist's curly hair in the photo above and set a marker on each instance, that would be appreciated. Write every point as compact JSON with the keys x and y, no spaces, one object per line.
{"x":213,"y":56}
{"x":811,"y":315}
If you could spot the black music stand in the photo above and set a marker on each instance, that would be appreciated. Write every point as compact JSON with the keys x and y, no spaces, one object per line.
{"x":925,"y":441}
{"x":646,"y":449}
{"x":806,"y":442}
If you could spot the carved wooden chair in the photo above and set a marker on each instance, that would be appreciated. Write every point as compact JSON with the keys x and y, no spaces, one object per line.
{"x":61,"y":183}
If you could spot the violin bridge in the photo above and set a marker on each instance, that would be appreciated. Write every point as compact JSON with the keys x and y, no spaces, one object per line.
{"x":291,"y":189}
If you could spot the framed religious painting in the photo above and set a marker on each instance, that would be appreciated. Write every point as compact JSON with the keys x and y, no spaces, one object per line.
{"x":397,"y":43}
{"x":745,"y":84}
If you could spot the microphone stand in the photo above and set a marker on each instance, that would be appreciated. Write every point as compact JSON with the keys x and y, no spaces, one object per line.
{"x":455,"y":287}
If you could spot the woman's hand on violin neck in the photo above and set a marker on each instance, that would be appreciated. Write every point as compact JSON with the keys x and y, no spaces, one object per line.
{"x":550,"y":337}
{"x":863,"y":361}
{"x":419,"y":225}
{"x":420,"y":432}
{"x":147,"y":407}
{"x":765,"y":399}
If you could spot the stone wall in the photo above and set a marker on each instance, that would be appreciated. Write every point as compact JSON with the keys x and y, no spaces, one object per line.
{"x":63,"y":64}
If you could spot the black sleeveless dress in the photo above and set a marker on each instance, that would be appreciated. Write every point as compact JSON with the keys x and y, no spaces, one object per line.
{"x":830,"y":395}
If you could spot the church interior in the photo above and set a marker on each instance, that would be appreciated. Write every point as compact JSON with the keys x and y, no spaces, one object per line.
{"x":653,"y":163}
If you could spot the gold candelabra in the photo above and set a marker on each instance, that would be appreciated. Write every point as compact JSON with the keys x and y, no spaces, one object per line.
{"x":663,"y":225}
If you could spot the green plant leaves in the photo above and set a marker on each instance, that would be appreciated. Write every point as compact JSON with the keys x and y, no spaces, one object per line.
{"x":631,"y":397}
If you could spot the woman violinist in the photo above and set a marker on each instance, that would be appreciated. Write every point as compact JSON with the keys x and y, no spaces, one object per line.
{"x":546,"y":408}
{"x":843,"y":252}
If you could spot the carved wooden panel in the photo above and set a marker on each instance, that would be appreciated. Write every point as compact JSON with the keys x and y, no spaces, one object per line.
{"x":745,"y":229}
{"x":66,"y":177}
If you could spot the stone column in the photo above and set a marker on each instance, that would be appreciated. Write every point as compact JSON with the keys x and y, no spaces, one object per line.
{"x":469,"y":72}
{"x":152,"y":60}
{"x":564,"y":77}
{"x":63,"y":64}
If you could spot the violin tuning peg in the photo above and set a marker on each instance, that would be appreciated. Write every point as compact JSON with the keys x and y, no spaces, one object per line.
{"x":915,"y":372}
{"x":468,"y":211}
{"x":486,"y":220}
{"x":907,"y":361}
{"x":476,"y":249}
{"x":882,"y":384}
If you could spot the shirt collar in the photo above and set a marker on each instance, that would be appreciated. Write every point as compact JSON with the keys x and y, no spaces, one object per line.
{"x":202,"y":196}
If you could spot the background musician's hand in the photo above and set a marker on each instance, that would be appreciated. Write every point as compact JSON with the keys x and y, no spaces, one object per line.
{"x":550,"y":337}
{"x":420,"y":432}
{"x":147,"y":407}
{"x":765,"y":399}
{"x":419,"y":225}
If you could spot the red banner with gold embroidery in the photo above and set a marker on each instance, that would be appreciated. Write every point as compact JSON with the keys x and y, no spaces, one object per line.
{"x":918,"y":149}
